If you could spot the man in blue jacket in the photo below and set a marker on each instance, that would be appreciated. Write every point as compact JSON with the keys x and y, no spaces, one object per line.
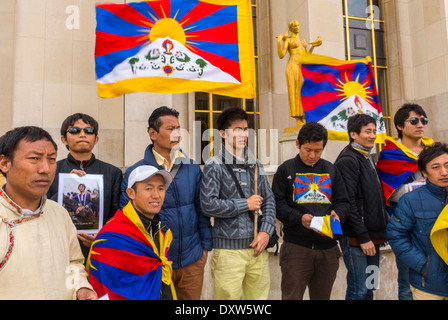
{"x":192,"y":238}
{"x":409,"y":229}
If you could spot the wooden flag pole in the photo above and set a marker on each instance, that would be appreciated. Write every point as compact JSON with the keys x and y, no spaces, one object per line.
{"x":255,"y":187}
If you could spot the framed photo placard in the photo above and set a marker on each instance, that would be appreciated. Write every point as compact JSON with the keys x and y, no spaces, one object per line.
{"x":416,"y":185}
{"x":83,"y":198}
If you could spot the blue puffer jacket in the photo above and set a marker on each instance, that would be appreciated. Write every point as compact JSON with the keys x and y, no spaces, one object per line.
{"x":408,"y":233}
{"x":181,"y":210}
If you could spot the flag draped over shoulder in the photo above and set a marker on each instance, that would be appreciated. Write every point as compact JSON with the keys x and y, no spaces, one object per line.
{"x":439,"y":235}
{"x":124,"y":262}
{"x":333,"y":90}
{"x":396,"y":163}
{"x":174,"y":46}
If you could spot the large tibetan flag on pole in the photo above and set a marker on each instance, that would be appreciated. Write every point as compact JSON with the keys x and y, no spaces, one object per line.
{"x":174,"y":46}
{"x":333,"y":90}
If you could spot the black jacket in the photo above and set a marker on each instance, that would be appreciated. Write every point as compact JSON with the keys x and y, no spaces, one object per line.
{"x":368,"y":216}
{"x":112,"y":177}
{"x":293,"y":191}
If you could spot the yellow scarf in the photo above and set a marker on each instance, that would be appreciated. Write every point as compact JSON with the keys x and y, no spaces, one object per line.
{"x":164,"y":240}
{"x":439,"y":235}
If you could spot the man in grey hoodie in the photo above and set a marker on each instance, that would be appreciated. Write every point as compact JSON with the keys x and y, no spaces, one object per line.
{"x":240,"y":259}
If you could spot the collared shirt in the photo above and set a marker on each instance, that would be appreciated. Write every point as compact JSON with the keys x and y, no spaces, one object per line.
{"x":163,"y":162}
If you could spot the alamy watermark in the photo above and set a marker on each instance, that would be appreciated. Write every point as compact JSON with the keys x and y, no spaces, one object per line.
{"x":202,"y":146}
{"x":73,"y":20}
{"x":373,"y":278}
{"x":373,"y":16}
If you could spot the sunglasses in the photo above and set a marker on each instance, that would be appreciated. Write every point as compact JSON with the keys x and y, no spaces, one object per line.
{"x":414,"y":121}
{"x":76,"y":130}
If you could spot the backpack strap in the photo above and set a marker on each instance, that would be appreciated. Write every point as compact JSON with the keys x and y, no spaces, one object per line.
{"x":237,"y":183}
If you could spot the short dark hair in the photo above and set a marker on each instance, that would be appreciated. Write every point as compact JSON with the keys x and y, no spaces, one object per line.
{"x":403,"y":114}
{"x":312,"y":132}
{"x":154,"y":119}
{"x":356,"y":122}
{"x":430,"y":153}
{"x":70,"y":121}
{"x":10,"y":140}
{"x":230,"y":115}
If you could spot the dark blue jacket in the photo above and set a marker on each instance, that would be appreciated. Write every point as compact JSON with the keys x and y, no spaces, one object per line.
{"x":181,"y":210}
{"x":408,"y":233}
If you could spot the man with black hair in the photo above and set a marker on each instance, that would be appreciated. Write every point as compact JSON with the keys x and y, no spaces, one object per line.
{"x":40,"y":256}
{"x":79,"y":133}
{"x":398,"y":169}
{"x":240,"y":261}
{"x":115,"y":270}
{"x":305,"y":187}
{"x":411,"y":122}
{"x":409,"y":230}
{"x":181,"y":210}
{"x":365,"y":229}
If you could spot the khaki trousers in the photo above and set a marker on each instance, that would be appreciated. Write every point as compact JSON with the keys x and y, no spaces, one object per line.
{"x":236,"y":270}
{"x":188,"y":280}
{"x":422,"y":295}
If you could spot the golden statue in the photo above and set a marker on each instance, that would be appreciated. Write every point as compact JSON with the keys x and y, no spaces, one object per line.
{"x":295,"y":45}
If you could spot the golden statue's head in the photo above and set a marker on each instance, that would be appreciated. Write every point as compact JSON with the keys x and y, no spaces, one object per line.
{"x":294,"y":26}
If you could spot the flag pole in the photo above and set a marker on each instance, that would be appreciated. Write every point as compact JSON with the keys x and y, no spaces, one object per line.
{"x":255,"y":183}
{"x":256,"y":212}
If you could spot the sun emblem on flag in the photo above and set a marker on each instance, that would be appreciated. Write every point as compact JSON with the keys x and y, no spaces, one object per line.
{"x":350,"y":88}
{"x":312,"y":188}
{"x":162,"y":27}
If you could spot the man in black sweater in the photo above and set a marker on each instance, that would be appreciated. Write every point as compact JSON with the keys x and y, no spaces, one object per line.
{"x":79,"y":132}
{"x":305,"y":187}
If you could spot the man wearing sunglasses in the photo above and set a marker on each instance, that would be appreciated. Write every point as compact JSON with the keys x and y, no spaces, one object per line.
{"x":79,"y":133}
{"x":398,"y":169}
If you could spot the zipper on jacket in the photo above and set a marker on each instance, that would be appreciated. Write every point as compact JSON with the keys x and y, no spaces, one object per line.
{"x":179,"y":219}
{"x":425,"y":274}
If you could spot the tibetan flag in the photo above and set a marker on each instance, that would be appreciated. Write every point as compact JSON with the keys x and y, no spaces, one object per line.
{"x":125,"y":264}
{"x":439,"y":235}
{"x":175,"y":46}
{"x":333,"y":90}
{"x":312,"y":188}
{"x":327,"y":226}
{"x":396,"y":163}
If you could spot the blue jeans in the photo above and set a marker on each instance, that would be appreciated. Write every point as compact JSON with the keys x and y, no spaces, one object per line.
{"x":359,"y":275}
{"x":404,"y":289}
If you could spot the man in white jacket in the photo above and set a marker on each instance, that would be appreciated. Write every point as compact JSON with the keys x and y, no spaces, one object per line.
{"x":40,"y":257}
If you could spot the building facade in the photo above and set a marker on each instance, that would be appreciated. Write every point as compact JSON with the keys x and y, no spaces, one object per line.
{"x":47,"y":57}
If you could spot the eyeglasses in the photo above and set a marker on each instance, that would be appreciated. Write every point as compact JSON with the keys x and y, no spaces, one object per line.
{"x":414,"y":121}
{"x":76,"y":130}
